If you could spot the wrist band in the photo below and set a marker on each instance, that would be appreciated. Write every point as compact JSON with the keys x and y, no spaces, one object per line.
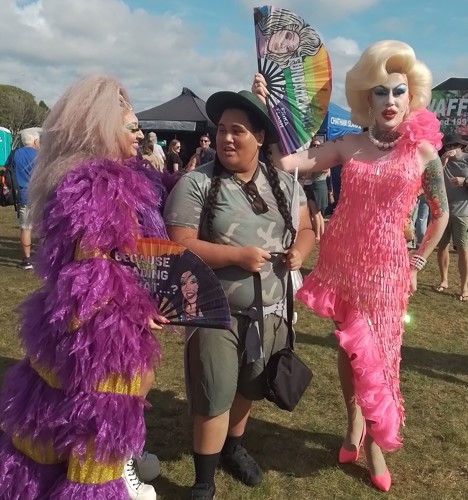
{"x":417,"y":261}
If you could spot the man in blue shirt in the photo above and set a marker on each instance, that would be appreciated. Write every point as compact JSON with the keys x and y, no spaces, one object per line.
{"x":24,"y":159}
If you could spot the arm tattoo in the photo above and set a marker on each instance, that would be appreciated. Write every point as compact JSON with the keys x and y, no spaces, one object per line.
{"x":434,"y":188}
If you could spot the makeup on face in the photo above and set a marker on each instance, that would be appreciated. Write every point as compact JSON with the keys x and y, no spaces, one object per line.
{"x":132,"y":136}
{"x":390,"y":101}
{"x":133,"y":127}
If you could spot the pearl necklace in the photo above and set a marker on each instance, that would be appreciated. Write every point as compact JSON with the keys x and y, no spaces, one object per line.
{"x":380,"y":144}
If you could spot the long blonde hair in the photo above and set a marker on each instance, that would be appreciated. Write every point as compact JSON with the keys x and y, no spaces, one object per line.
{"x":85,"y":124}
{"x":375,"y":64}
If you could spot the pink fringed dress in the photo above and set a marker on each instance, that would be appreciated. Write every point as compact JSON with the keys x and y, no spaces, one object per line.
{"x":361,"y":279}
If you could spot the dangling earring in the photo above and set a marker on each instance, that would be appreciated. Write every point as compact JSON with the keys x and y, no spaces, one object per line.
{"x":371,"y":115}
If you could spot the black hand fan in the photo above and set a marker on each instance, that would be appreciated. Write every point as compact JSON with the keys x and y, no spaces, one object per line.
{"x":185,"y":287}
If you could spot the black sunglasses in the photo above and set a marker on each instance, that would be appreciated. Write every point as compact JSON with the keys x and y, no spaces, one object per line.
{"x":259,"y":205}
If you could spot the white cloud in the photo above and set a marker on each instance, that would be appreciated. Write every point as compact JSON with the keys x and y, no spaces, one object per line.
{"x":153,"y":55}
{"x":343,"y":54}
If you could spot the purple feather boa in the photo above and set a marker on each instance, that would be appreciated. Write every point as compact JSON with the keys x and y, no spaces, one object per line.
{"x":65,"y":490}
{"x":113,"y":336}
{"x":21,"y":478}
{"x":104,"y":205}
{"x":32,"y":408}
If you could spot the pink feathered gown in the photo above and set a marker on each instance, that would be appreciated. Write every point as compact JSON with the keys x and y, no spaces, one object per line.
{"x":361,"y":279}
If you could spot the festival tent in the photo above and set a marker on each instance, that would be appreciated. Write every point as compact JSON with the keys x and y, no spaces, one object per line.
{"x":450,"y":104}
{"x":183,"y":118}
{"x":185,"y":113}
{"x":337,"y":122}
{"x":5,"y":145}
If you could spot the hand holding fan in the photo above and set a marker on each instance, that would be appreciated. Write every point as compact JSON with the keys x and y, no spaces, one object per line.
{"x":185,"y":287}
{"x":296,"y":67}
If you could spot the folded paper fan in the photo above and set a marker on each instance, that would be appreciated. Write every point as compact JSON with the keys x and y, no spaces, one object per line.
{"x":296,"y":67}
{"x":185,"y":287}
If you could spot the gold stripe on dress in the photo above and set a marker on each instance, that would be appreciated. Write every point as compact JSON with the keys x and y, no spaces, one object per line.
{"x":88,"y":470}
{"x":39,"y":452}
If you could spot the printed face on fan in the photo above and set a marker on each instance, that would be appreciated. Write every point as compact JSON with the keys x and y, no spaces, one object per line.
{"x":189,"y":285}
{"x":390,"y":101}
{"x":283,"y":41}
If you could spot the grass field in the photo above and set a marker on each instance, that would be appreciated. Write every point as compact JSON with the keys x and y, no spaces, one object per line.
{"x":298,"y":450}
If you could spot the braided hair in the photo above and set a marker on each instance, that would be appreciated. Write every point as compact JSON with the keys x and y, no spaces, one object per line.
{"x":210,"y":203}
{"x":273,"y":180}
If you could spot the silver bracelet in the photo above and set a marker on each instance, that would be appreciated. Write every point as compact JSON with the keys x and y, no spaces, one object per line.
{"x":417,"y":261}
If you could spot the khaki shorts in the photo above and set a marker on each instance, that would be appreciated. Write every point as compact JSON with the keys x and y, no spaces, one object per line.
{"x":216,"y":368}
{"x":23,"y":216}
{"x":457,"y":230}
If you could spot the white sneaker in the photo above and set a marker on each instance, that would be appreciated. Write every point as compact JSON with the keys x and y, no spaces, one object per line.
{"x":148,"y":467}
{"x":136,"y":489}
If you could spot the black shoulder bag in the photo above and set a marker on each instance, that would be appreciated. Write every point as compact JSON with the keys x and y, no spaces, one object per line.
{"x":287,"y":377}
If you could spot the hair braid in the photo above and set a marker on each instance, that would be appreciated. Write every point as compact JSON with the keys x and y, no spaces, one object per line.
{"x":210,"y":204}
{"x":282,"y":202}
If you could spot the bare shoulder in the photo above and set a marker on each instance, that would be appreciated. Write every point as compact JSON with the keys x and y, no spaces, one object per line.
{"x":348,"y":144}
{"x":349,"y":139}
{"x":427,"y":152}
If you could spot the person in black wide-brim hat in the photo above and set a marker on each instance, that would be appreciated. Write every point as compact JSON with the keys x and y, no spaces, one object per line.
{"x":235,"y":213}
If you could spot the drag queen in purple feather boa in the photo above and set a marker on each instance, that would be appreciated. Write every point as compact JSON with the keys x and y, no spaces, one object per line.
{"x":71,"y":412}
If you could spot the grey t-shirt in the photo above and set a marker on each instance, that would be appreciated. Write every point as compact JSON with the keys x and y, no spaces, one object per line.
{"x":236,"y":224}
{"x":457,"y":195}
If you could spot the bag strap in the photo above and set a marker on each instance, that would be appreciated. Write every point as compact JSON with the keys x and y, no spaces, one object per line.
{"x":289,"y":308}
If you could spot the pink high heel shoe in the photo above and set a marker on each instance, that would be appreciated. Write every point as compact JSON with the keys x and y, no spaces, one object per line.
{"x":348,"y":457}
{"x":382,"y":482}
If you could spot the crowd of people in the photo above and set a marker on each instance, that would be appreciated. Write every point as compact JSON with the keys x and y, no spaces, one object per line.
{"x":71,"y":412}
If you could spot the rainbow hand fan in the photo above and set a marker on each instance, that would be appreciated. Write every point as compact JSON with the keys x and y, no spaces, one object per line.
{"x":185,"y":287}
{"x":296,"y":67}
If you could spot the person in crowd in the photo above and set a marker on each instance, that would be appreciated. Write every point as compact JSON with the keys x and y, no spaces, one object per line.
{"x":363,"y":276}
{"x":316,"y":190}
{"x":71,"y":412}
{"x":235,"y":213}
{"x":206,"y":153}
{"x":173,"y":160}
{"x":24,"y":160}
{"x":194,"y":161}
{"x":157,"y":149}
{"x":455,"y":163}
{"x":148,"y":154}
{"x":420,"y":218}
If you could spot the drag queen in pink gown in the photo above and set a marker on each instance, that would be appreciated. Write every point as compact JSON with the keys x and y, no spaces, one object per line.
{"x":364,"y":276}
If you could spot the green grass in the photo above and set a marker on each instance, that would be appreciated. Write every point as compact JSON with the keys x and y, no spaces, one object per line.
{"x":298,"y":451}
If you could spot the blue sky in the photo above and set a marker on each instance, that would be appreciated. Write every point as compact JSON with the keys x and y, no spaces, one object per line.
{"x":157,"y":47}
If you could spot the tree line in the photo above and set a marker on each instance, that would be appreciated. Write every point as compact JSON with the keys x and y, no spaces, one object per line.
{"x":19,"y":110}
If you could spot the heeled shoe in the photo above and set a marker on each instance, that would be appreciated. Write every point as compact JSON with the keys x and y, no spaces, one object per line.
{"x":348,"y":457}
{"x":382,"y":482}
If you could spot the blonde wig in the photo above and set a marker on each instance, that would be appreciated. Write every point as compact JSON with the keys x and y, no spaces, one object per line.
{"x":85,"y":124}
{"x":375,"y":64}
